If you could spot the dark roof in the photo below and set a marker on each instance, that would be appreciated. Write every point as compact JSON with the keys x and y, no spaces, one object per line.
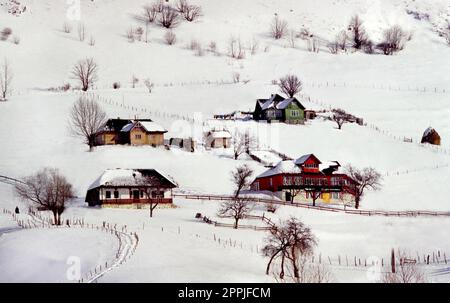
{"x":304,"y":158}
{"x":278,"y":102}
{"x":115,"y":124}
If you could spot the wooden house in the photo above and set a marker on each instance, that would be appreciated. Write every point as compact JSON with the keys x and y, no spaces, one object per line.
{"x":279,"y":109}
{"x":301,"y":179}
{"x":218,"y":139}
{"x":130,"y":187}
{"x":133,"y":132}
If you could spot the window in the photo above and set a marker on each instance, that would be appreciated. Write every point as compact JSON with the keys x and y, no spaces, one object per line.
{"x":138,"y":136}
{"x":287,"y":180}
{"x":270,"y":182}
{"x":295,"y":113}
{"x":116,"y":194}
{"x":142,"y":194}
{"x":108,"y":194}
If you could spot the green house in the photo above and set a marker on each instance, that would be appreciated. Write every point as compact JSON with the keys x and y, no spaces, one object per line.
{"x":279,"y":109}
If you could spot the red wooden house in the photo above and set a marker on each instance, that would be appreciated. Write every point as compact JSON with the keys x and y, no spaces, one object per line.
{"x":307,"y":179}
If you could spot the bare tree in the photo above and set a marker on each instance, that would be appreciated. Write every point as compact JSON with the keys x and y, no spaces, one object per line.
{"x":290,"y":85}
{"x":340,"y":116}
{"x":181,"y":6}
{"x":406,"y":272}
{"x":278,"y":28}
{"x":159,"y":6}
{"x":253,"y":46}
{"x":192,"y":12}
{"x":358,"y":33}
{"x":313,"y":44}
{"x":130,"y":34}
{"x":241,"y":143}
{"x":170,"y":37}
{"x":241,"y":178}
{"x":366,"y":178}
{"x":151,"y":187}
{"x":149,"y":85}
{"x":168,"y":17}
{"x":289,"y":241}
{"x":48,"y":189}
{"x":91,"y":41}
{"x":85,"y":71}
{"x":150,"y":13}
{"x":5,"y":79}
{"x":235,"y":48}
{"x":134,"y":81}
{"x":67,"y":28}
{"x":308,"y":272}
{"x":138,"y":32}
{"x":237,"y":208}
{"x":81,"y":32}
{"x":393,"y":40}
{"x":86,"y":119}
{"x":5,"y":33}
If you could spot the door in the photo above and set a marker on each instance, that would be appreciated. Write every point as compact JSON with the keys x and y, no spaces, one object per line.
{"x":135,"y":194}
{"x":288,"y":196}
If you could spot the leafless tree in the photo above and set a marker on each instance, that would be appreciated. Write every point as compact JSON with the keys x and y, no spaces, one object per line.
{"x":149,"y":85}
{"x":86,"y":119}
{"x":290,"y":85}
{"x":181,"y":6}
{"x":235,"y":48}
{"x":242,"y":142}
{"x":358,"y":33}
{"x":130,"y":34}
{"x":169,"y":17}
{"x":85,"y":71}
{"x":67,"y":28}
{"x":91,"y":41}
{"x":48,"y":189}
{"x":236,"y":77}
{"x":278,"y":28}
{"x":308,"y":272}
{"x":237,"y":208}
{"x":313,"y":44}
{"x":81,"y":32}
{"x":340,"y":116}
{"x":393,"y":40}
{"x":406,"y":272}
{"x":315,"y":194}
{"x":5,"y":79}
{"x":134,"y":81}
{"x":289,"y":241}
{"x":292,"y":38}
{"x":139,"y":31}
{"x":366,"y":178}
{"x":241,"y":178}
{"x":150,"y":13}
{"x":192,"y":12}
{"x":170,"y":37}
{"x":253,"y":46}
{"x":6,"y":32}
{"x":159,"y":6}
{"x":148,"y":185}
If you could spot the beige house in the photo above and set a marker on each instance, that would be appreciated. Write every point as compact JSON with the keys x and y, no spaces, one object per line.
{"x":144,"y":133}
{"x":218,"y":139}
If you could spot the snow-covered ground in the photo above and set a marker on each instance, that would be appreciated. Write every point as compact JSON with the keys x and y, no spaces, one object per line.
{"x":401,"y":95}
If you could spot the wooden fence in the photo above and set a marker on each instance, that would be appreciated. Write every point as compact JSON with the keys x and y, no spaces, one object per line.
{"x":403,"y":213}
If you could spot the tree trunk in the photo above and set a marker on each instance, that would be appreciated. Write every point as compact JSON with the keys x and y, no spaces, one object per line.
{"x":236,"y":221}
{"x":270,"y":262}
{"x":357,"y":200}
{"x":55,"y":217}
{"x":282,"y":267}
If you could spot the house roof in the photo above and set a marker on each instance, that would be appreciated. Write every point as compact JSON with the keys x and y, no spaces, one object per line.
{"x":283,"y":167}
{"x":220,"y":134}
{"x":329,"y":164}
{"x":304,"y":158}
{"x":131,"y":177}
{"x":277,"y":102}
{"x":115,"y":124}
{"x":149,"y":126}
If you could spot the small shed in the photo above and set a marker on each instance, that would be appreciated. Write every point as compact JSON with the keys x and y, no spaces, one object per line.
{"x":431,"y":136}
{"x":218,"y":139}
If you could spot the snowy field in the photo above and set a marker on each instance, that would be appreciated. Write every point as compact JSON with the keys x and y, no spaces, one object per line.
{"x":401,"y":95}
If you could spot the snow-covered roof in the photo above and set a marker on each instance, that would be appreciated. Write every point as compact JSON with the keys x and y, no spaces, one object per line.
{"x":283,"y":167}
{"x":277,"y":104}
{"x":149,"y":126}
{"x":128,"y":177}
{"x":220,"y":134}
{"x":328,"y":164}
{"x":428,"y":131}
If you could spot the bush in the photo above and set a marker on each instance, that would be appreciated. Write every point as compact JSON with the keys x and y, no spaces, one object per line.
{"x":139,"y":32}
{"x":6,"y":32}
{"x":67,"y":28}
{"x":170,"y":37}
{"x":168,"y":17}
{"x":393,"y":40}
{"x":278,"y":28}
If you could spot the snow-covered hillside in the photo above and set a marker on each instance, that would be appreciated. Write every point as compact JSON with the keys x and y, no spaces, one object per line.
{"x":398,"y":97}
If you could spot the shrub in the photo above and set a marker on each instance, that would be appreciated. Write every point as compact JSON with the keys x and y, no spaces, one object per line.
{"x":170,"y":37}
{"x":278,"y":28}
{"x":6,"y":32}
